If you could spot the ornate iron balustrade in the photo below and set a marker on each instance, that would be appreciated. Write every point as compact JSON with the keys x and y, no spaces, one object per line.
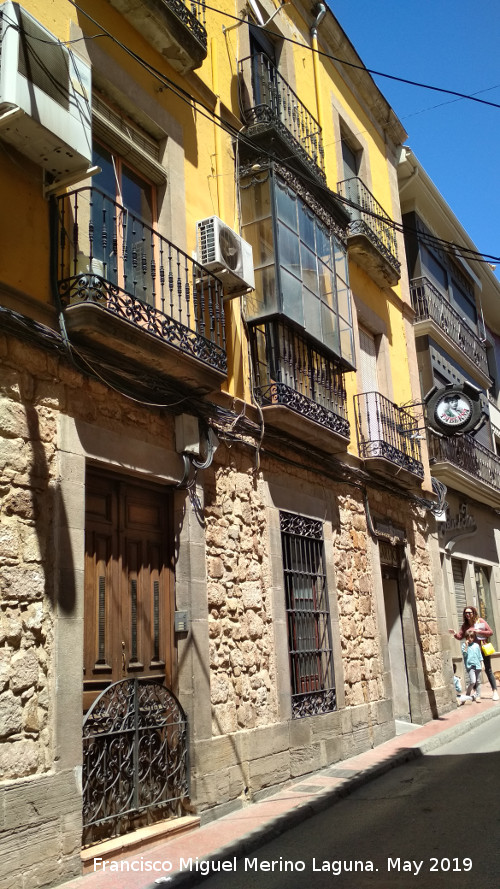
{"x":386,"y":430}
{"x":112,"y":258}
{"x":290,"y":371}
{"x":269,"y":100}
{"x":370,"y":219}
{"x":429,"y":303}
{"x":134,"y":756}
{"x":467,"y":454}
{"x":192,"y":16}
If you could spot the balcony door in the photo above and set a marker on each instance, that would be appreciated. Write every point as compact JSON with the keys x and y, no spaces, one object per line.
{"x":264,"y":72}
{"x":128,"y":618}
{"x":371,"y":425}
{"x":122,"y":214}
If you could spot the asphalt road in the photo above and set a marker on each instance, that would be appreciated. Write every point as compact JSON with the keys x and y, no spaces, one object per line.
{"x":431,"y":824}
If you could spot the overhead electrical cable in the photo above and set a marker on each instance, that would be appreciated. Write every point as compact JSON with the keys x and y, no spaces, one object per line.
{"x":209,"y":114}
{"x":360,"y":67}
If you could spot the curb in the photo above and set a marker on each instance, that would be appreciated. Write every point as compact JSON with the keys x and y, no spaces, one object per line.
{"x":275,"y":827}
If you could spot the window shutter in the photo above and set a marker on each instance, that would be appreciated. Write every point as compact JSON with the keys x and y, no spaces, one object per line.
{"x":459,"y":584}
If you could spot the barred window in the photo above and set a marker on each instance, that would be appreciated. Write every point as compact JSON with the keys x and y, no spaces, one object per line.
{"x":308,"y":616}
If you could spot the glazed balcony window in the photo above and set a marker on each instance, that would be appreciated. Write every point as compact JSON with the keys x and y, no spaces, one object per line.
{"x":300,"y":264}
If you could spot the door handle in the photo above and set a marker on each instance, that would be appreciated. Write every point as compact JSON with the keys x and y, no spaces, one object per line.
{"x":124,"y":660}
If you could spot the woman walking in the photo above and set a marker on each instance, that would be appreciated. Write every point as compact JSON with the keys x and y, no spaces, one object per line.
{"x":472,"y":621}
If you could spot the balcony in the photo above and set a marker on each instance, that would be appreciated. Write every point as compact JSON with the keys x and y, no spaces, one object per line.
{"x":435,"y":317}
{"x":371,"y":235}
{"x":273,"y":110}
{"x":175,"y":29}
{"x":464,"y":464}
{"x":129,"y":292}
{"x":300,"y":389}
{"x":388,"y":437}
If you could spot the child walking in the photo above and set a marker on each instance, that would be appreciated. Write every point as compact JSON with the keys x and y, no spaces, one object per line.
{"x":461,"y":698}
{"x":471,"y":651}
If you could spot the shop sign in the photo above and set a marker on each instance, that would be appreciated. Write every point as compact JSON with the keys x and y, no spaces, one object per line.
{"x":454,"y":409}
{"x":461,"y":524}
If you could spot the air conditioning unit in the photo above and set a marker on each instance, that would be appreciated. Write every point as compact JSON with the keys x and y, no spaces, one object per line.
{"x":227,"y":255}
{"x":45,"y":95}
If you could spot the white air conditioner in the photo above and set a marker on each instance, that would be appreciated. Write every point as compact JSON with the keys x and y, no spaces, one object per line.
{"x":45,"y":95}
{"x":226,"y":254}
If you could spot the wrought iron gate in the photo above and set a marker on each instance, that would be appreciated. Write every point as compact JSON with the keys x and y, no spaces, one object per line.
{"x":135,"y":757}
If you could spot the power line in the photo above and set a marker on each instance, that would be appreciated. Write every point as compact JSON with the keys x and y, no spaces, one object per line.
{"x":470,"y":96}
{"x":209,"y":114}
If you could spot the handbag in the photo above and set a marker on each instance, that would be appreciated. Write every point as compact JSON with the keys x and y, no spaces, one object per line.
{"x":487,"y":648}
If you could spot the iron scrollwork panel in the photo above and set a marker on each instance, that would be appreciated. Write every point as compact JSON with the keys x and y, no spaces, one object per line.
{"x":134,"y":755}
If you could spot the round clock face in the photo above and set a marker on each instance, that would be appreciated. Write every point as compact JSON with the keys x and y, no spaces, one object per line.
{"x":453,"y":410}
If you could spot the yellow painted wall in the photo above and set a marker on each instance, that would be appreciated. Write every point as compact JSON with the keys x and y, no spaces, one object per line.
{"x":209,"y":174}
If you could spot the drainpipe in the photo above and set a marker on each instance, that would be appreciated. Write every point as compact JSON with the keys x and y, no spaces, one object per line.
{"x":217,"y":132}
{"x":320,"y":14}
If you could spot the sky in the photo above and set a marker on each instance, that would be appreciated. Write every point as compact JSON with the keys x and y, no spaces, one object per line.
{"x":450,"y":44}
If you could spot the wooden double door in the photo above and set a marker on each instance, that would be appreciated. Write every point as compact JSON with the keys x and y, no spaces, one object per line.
{"x":129,"y":589}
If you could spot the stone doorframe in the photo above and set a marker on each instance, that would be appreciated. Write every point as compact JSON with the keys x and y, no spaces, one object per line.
{"x":81,"y":443}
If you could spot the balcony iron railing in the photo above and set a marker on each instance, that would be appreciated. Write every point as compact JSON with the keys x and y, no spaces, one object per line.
{"x":467,"y":454}
{"x":269,"y":100}
{"x":386,"y":430}
{"x":110,"y":257}
{"x":192,"y":16}
{"x":370,"y":219}
{"x":290,"y":372}
{"x":429,"y":303}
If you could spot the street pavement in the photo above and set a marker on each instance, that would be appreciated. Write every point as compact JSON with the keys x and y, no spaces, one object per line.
{"x":421,"y":824}
{"x":182,"y":861}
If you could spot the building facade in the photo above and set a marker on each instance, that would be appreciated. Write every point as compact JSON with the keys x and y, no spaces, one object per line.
{"x":455,"y":295}
{"x":217,"y":541}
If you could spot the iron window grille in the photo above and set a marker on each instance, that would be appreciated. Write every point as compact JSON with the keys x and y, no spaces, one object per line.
{"x":308,"y":616}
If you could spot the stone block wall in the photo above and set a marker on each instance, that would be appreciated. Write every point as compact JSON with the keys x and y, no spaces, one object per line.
{"x":242,"y":662}
{"x":27,"y":453}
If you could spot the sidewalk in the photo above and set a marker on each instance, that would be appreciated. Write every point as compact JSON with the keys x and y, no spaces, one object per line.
{"x":248,"y":828}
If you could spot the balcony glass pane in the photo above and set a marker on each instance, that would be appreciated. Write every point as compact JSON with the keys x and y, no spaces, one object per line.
{"x":330,"y":329}
{"x":287,"y":206}
{"x":263,"y":300}
{"x":309,"y":269}
{"x":255,"y":200}
{"x":306,"y":227}
{"x":291,"y":289}
{"x":260,"y":236}
{"x":312,"y":315}
{"x":340,"y":260}
{"x":344,"y":303}
{"x":346,"y":344}
{"x":289,"y":251}
{"x":323,"y":245}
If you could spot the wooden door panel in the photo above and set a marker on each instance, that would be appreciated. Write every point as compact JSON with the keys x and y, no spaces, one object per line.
{"x":128,"y":584}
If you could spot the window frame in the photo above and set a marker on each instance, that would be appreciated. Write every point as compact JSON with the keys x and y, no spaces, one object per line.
{"x":309,"y":634}
{"x":120,"y":272}
{"x":329,"y":321}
